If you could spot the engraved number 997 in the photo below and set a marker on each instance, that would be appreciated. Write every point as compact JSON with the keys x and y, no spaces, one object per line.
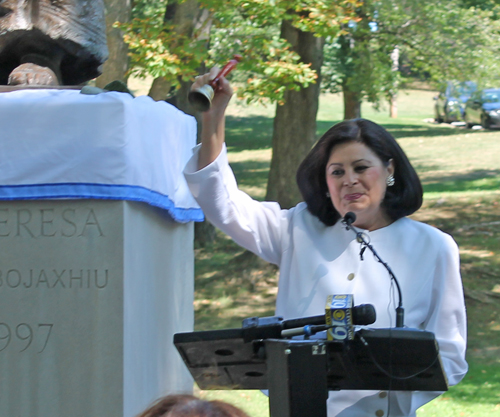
{"x":25,"y":335}
{"x":5,"y":335}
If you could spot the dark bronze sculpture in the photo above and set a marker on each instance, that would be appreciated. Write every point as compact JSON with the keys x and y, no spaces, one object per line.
{"x":51,"y":42}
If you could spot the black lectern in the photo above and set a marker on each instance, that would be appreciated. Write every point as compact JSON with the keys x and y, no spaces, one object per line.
{"x":299,"y":373}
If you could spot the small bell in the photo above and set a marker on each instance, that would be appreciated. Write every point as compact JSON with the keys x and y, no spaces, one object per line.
{"x":201,"y":98}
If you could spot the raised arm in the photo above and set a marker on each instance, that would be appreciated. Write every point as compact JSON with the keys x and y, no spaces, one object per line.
{"x":213,"y":120}
{"x":256,"y":226}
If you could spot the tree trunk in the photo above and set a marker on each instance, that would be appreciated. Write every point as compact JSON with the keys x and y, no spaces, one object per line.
{"x":116,"y":66}
{"x":295,"y":122}
{"x":393,"y":106}
{"x":393,"y":99}
{"x":352,"y":103}
{"x":352,"y":96}
{"x":188,"y":17}
{"x":159,"y":89}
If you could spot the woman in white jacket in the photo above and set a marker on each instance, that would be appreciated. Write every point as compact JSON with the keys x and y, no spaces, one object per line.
{"x":357,"y":166}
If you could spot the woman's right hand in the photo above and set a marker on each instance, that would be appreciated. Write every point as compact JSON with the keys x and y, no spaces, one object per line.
{"x":213,"y":120}
{"x":222,"y":91}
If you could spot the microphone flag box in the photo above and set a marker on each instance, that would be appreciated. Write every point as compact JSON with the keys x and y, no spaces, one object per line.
{"x":338,"y":314}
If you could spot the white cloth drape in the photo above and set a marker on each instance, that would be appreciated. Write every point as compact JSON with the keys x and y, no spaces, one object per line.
{"x":63,"y":144}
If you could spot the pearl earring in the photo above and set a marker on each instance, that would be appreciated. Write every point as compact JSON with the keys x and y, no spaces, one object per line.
{"x":328,"y":195}
{"x":390,"y":180}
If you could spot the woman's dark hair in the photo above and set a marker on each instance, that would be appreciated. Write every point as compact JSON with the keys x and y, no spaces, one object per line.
{"x":184,"y":405}
{"x":402,"y":199}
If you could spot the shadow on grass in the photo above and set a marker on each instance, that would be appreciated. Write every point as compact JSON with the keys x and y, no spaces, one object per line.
{"x":252,"y":133}
{"x":451,"y":214}
{"x":255,"y":132}
{"x":424,"y":130}
{"x":401,"y":131}
{"x":251,"y":173}
{"x":231,"y":284}
{"x":423,"y":167}
{"x":248,"y":132}
{"x":477,"y":180}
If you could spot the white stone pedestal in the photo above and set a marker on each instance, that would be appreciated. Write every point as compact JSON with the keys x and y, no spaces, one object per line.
{"x":91,"y":293}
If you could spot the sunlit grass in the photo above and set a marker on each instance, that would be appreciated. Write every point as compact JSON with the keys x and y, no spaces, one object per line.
{"x":477,"y":395}
{"x":253,"y":402}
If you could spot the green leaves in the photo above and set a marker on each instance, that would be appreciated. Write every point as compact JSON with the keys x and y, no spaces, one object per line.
{"x":446,"y":39}
{"x":160,"y":51}
{"x":440,"y":38}
{"x":247,"y":27}
{"x":461,"y":44}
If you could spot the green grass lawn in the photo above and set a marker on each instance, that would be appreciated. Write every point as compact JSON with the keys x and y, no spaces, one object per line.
{"x":460,"y":171}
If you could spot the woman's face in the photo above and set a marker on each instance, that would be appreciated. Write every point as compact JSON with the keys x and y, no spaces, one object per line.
{"x":356,"y":179}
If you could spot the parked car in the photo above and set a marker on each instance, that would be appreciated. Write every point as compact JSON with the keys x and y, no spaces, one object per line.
{"x":449,"y":106}
{"x":483,"y":108}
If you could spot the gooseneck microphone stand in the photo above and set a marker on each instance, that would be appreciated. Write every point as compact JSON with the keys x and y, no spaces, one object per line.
{"x":348,"y":220}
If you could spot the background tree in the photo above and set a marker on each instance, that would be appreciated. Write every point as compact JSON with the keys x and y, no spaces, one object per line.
{"x":294,"y":130}
{"x":456,"y":43}
{"x":303,"y":26}
{"x":274,"y":66}
{"x":445,"y":39}
{"x":115,"y":68}
{"x":159,"y":48}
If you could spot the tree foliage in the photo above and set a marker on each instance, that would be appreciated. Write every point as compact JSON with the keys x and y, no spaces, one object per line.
{"x":454,"y":43}
{"x":156,"y":47}
{"x":247,"y":27}
{"x":446,"y":39}
{"x":359,"y":61}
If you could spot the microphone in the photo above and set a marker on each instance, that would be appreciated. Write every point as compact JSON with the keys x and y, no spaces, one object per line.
{"x":363,"y":314}
{"x":341,"y":316}
{"x":348,"y":220}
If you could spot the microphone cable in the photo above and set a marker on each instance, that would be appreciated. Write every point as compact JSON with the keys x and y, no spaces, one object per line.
{"x":348,"y":220}
{"x":389,"y":373}
{"x":364,"y":240}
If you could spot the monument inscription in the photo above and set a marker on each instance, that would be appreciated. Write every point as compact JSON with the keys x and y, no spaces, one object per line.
{"x":91,"y":293}
{"x":48,"y":222}
{"x":61,"y":298}
{"x":82,"y":279}
{"x":25,"y":333}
